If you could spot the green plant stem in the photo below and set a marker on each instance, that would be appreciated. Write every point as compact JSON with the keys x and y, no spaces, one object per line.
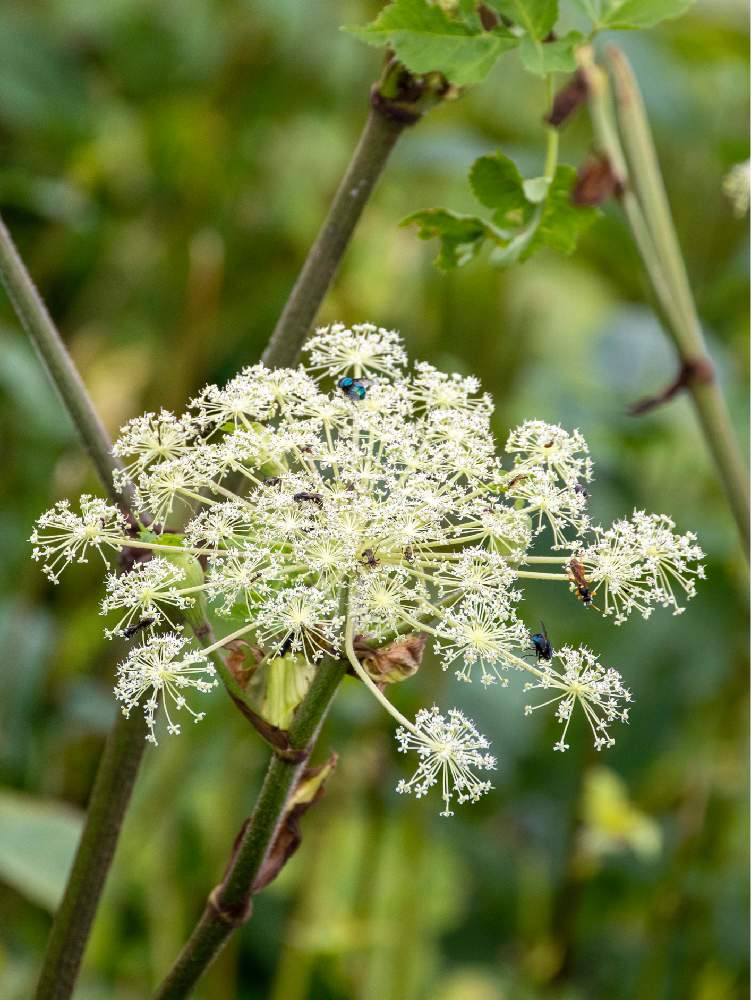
{"x":45,"y":337}
{"x":648,"y":213}
{"x":228,"y":906}
{"x":376,"y":142}
{"x":125,"y":744}
{"x":109,"y":799}
{"x":118,"y":769}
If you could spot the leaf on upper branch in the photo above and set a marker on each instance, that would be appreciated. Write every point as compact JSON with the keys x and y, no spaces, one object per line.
{"x":556,"y":56}
{"x":496,"y":183}
{"x":427,"y":39}
{"x":632,"y":14}
{"x":308,"y":790}
{"x":528,"y":214}
{"x":536,"y":17}
{"x":540,"y":50}
{"x":461,"y":236}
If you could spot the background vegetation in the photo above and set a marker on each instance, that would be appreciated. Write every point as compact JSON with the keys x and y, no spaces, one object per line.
{"x":164,"y":168}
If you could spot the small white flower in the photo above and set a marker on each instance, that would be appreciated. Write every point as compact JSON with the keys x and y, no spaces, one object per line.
{"x":639,"y":563}
{"x":240,"y":575}
{"x":561,"y":506}
{"x":62,"y":537}
{"x":582,"y":679}
{"x":256,"y":393}
{"x":363,"y":350}
{"x":480,"y":634}
{"x":177,"y":480}
{"x":434,"y":389}
{"x":144,"y":592}
{"x":161,"y":671}
{"x":395,"y":506}
{"x":450,"y":751}
{"x":300,"y":620}
{"x":537,"y":443}
{"x":152,"y":438}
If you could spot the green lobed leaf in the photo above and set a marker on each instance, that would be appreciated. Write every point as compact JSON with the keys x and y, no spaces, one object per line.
{"x":562,"y":221}
{"x":532,"y":214}
{"x":426,"y":39}
{"x":536,"y":189}
{"x":640,"y":13}
{"x":461,"y":236}
{"x":537,"y":17}
{"x":497,"y":184}
{"x":550,"y":57}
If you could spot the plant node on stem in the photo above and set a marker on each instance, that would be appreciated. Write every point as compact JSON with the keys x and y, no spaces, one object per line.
{"x":229,"y":904}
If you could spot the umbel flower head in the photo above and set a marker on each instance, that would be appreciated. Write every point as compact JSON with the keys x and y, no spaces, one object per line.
{"x":349,"y":501}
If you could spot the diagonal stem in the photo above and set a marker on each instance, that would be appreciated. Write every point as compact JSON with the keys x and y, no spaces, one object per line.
{"x":229,"y":905}
{"x":108,"y":802}
{"x":125,"y":743}
{"x":646,"y":207}
{"x":397,"y":101}
{"x":45,"y":337}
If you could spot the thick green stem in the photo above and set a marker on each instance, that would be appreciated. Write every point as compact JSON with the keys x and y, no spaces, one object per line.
{"x":228,"y":906}
{"x":398,"y":100}
{"x":647,"y":210}
{"x":45,"y":337}
{"x":376,"y":142}
{"x":107,"y":804}
{"x":123,"y":751}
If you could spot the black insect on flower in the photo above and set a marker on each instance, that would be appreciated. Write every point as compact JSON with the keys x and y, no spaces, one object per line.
{"x":368,"y":558}
{"x":131,"y":630}
{"x":315,"y":498}
{"x":542,"y":644}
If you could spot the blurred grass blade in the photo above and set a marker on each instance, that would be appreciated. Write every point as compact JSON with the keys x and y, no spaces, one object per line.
{"x":37,"y":842}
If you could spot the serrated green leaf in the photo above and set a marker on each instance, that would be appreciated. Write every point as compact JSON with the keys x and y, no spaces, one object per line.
{"x":497,"y":184}
{"x":640,"y":13}
{"x":554,"y":222}
{"x":461,"y":236}
{"x":537,"y":17}
{"x":550,"y":57}
{"x":426,"y":39}
{"x":562,"y":221}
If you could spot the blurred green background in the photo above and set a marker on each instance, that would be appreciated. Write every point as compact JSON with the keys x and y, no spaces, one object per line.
{"x":164,"y":167}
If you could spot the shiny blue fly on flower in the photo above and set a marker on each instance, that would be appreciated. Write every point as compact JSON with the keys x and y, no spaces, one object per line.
{"x":354,"y":388}
{"x":543,"y":645}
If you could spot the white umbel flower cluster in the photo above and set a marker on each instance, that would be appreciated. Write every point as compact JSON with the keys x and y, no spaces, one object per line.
{"x":640,"y":563}
{"x":353,"y":498}
{"x":449,"y":752}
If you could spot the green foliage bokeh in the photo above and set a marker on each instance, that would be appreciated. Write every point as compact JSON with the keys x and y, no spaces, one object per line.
{"x":164,"y":168}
